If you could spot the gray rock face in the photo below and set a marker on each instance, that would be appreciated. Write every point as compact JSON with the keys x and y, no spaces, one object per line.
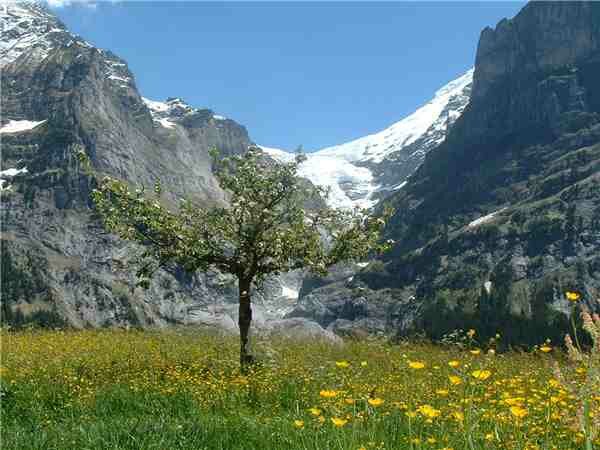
{"x":539,"y":39}
{"x":56,"y":257}
{"x":504,"y":215}
{"x":298,"y":328}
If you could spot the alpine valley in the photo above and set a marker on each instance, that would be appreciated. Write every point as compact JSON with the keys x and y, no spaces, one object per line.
{"x":495,"y":183}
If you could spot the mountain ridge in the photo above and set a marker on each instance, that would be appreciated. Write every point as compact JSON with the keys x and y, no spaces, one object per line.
{"x":360,"y":172}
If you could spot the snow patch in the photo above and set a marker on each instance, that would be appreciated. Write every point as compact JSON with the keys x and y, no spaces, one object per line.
{"x":278,"y":154}
{"x":28,"y":27}
{"x":289,"y":293}
{"x":117,"y":78}
{"x":18,"y":126}
{"x":488,"y":287}
{"x":12,"y":172}
{"x":9,"y":173}
{"x":218,"y":117}
{"x":154,"y":105}
{"x":346,"y":169}
{"x":166,"y":123}
{"x":484,"y":219}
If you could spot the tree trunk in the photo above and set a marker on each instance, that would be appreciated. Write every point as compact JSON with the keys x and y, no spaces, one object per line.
{"x":244,"y":320}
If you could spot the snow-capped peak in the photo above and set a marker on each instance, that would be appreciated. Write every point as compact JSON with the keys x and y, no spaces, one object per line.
{"x":30,"y":27}
{"x":376,"y":147}
{"x":167,"y":112}
{"x":347,"y":169}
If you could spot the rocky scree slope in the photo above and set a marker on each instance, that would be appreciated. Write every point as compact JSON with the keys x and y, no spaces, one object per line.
{"x":61,"y":95}
{"x":503,"y":216}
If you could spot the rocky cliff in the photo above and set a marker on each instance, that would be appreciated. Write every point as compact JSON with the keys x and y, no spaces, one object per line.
{"x":504,"y":215}
{"x":61,"y":95}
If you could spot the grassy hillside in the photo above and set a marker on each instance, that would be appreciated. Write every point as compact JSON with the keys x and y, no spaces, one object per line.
{"x":181,"y":390}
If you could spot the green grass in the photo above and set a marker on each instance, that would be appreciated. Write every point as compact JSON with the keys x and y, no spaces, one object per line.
{"x":180,"y":390}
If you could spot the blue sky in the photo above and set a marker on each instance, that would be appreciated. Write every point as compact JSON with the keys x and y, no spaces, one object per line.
{"x":294,"y":73}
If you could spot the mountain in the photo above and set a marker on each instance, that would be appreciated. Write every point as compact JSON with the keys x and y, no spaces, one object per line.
{"x":61,"y":95}
{"x":361,"y":172}
{"x":504,"y":215}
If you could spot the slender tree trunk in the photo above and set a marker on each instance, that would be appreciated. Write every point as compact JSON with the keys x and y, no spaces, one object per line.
{"x":244,"y":320}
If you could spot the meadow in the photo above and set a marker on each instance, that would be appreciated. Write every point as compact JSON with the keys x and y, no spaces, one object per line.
{"x":180,"y":389}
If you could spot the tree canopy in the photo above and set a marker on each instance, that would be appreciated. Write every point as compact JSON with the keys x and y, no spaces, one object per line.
{"x":272,"y":222}
{"x":264,"y":229}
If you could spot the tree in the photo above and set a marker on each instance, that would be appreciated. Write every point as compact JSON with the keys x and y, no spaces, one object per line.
{"x":264,"y":229}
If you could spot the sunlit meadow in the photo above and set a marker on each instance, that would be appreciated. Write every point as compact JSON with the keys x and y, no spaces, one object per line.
{"x":178,"y":389}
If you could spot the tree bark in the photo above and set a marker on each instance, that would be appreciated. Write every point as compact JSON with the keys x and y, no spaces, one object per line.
{"x":244,"y":320}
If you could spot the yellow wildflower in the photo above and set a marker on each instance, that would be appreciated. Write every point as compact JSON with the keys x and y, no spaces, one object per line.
{"x":315,"y":411}
{"x":326,"y":393}
{"x":458,"y":416}
{"x":454,"y":364}
{"x":455,"y":380}
{"x":545,"y":348}
{"x":338,"y":422}
{"x":518,"y":411}
{"x":429,"y":411}
{"x":376,"y":401}
{"x":481,"y":375}
{"x":342,"y":364}
{"x":299,"y":423}
{"x":416,"y":365}
{"x":572,"y":296}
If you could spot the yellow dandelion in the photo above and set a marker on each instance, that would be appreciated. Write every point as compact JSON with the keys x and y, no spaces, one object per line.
{"x":338,"y":422}
{"x":458,"y":416}
{"x":545,"y":348}
{"x":342,"y":364}
{"x":481,"y":375}
{"x":299,"y":423}
{"x":416,"y":365}
{"x":454,"y":364}
{"x":553,"y":383}
{"x":376,"y":402}
{"x":327,"y":393}
{"x":572,"y":296}
{"x":455,"y":380}
{"x":429,"y":411}
{"x":315,"y":411}
{"x":518,"y":411}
